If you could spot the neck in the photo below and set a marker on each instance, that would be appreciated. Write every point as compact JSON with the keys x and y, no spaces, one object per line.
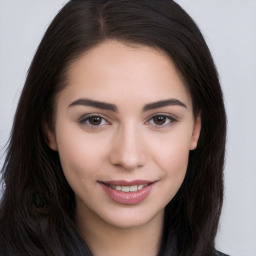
{"x":107,"y":240}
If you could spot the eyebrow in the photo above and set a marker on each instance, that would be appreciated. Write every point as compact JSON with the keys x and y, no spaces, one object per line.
{"x":94,"y":103}
{"x":112,"y":107}
{"x":163,"y":103}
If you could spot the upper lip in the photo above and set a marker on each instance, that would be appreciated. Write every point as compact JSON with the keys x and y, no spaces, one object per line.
{"x":127,"y":182}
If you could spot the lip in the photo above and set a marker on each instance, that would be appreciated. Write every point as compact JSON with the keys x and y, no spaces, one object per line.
{"x":127,"y":182}
{"x":127,"y":198}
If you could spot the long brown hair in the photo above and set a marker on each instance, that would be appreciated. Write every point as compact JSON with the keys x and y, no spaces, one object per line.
{"x":37,"y":207}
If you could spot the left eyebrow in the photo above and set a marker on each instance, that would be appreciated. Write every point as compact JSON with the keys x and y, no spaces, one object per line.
{"x":94,"y":103}
{"x":163,"y":103}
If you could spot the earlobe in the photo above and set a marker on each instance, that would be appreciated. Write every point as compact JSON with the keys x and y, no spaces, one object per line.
{"x":51,"y":138}
{"x":196,"y":132}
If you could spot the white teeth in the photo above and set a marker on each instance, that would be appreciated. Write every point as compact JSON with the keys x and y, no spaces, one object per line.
{"x":133,"y":188}
{"x":140,"y":187}
{"x":126,"y":189}
{"x":118,"y":188}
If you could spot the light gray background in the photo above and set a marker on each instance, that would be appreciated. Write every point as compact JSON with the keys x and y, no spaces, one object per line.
{"x":229,"y":27}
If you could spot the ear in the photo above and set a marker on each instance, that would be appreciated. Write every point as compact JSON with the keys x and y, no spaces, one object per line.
{"x":51,"y":138}
{"x":196,"y":132}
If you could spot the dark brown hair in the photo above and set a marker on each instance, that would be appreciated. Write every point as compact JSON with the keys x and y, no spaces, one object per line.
{"x":37,"y":207}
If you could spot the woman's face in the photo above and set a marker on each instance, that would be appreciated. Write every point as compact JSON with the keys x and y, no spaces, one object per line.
{"x":124,"y":127}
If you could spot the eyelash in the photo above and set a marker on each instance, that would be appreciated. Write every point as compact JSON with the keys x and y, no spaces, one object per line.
{"x":85,"y":120}
{"x":168,"y":120}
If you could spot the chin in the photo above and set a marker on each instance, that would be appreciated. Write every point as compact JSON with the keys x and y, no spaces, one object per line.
{"x":132,"y":218}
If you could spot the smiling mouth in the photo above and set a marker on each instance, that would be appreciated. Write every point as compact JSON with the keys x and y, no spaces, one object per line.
{"x":127,"y":189}
{"x":127,"y":186}
{"x":127,"y":192}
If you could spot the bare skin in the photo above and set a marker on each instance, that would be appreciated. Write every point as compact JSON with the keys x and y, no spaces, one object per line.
{"x":144,"y":240}
{"x":124,"y":120}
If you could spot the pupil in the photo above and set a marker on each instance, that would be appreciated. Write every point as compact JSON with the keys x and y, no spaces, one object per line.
{"x":159,"y":120}
{"x":95,"y":120}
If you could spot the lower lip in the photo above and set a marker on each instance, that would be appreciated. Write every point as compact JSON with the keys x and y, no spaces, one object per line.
{"x":128,"y":198}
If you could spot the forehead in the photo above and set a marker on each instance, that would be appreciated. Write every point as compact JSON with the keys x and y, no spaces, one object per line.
{"x":115,"y":71}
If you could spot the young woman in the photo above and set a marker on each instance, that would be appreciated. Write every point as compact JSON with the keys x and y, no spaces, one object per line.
{"x":118,"y":141}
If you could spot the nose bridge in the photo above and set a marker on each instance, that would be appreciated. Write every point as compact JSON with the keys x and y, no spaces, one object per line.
{"x":128,"y":147}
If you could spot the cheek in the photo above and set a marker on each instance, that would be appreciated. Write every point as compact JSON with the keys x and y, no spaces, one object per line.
{"x":171,"y":150}
{"x":171,"y":157}
{"x":174,"y":167}
{"x":173,"y":160}
{"x":80,"y":156}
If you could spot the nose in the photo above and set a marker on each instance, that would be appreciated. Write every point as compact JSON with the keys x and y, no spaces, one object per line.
{"x":128,"y":150}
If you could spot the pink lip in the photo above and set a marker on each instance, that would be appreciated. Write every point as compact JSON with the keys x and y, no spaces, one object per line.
{"x":128,"y":198}
{"x":127,"y":183}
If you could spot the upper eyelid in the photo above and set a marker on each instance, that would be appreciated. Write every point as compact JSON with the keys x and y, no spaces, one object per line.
{"x":85,"y":116}
{"x":172,"y":121}
{"x":171,"y":116}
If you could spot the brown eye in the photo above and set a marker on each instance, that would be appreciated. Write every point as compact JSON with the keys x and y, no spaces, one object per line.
{"x":160,"y":120}
{"x":95,"y":120}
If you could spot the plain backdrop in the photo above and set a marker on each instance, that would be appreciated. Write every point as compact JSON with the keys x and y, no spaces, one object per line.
{"x":229,"y":27}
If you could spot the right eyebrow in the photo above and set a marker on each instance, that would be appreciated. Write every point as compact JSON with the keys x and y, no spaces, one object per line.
{"x":94,"y":103}
{"x":164,"y":103}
